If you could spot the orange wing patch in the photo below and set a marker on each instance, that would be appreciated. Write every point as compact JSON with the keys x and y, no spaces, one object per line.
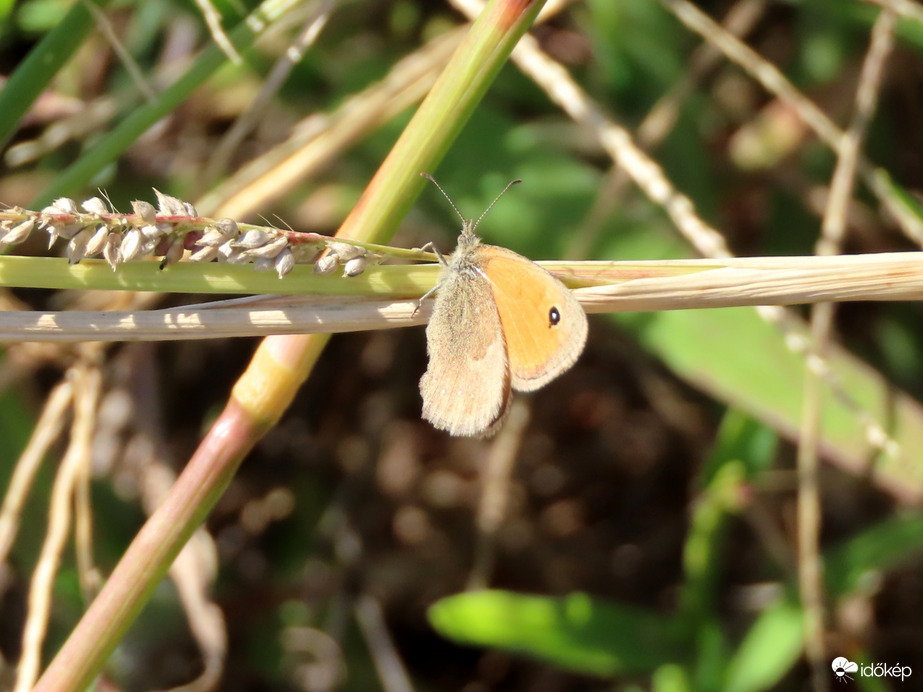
{"x":544,"y":325}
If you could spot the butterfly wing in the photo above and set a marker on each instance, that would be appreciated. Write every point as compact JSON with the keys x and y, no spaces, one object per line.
{"x":466,"y":386}
{"x":544,"y":325}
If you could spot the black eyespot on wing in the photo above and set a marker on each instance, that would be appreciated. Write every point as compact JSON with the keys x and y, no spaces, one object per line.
{"x":554,"y":316}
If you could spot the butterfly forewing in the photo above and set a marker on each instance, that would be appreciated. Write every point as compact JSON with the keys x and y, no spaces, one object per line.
{"x":544,"y":325}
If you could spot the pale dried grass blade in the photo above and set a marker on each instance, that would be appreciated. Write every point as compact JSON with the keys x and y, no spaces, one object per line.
{"x":87,"y":383}
{"x":765,"y":281}
{"x":776,"y":83}
{"x":833,"y":229}
{"x":248,"y":120}
{"x":207,"y":323}
{"x":321,"y":137}
{"x":46,"y":431}
{"x":213,"y":19}
{"x":391,"y":669}
{"x":633,"y":286}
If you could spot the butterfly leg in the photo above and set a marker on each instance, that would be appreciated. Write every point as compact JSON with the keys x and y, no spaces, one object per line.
{"x":444,"y":262}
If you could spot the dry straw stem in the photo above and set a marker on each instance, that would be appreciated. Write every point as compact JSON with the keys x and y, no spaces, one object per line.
{"x":87,"y":384}
{"x":908,"y":9}
{"x":619,"y":287}
{"x":219,"y":161}
{"x":772,"y":79}
{"x":128,"y":62}
{"x":496,"y":479}
{"x":810,"y":565}
{"x":659,"y":121}
{"x":370,"y":617}
{"x":322,"y":137}
{"x":213,"y":20}
{"x":193,"y":572}
{"x":46,"y":431}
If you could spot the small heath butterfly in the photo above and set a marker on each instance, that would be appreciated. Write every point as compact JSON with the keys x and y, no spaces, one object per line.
{"x":499,"y":322}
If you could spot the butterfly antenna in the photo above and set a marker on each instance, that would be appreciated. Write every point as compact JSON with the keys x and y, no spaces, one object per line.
{"x":445,"y":194}
{"x":496,"y":199}
{"x":468,"y":224}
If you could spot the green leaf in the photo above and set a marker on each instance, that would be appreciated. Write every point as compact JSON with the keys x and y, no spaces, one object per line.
{"x":702,"y":554}
{"x":715,"y":350}
{"x":769,"y":649}
{"x":881,"y":547}
{"x":578,"y":632}
{"x":6,"y":6}
{"x":671,"y":678}
{"x":740,"y":438}
{"x":33,"y":74}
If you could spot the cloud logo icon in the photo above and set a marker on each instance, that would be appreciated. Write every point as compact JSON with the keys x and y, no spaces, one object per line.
{"x":841,"y":666}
